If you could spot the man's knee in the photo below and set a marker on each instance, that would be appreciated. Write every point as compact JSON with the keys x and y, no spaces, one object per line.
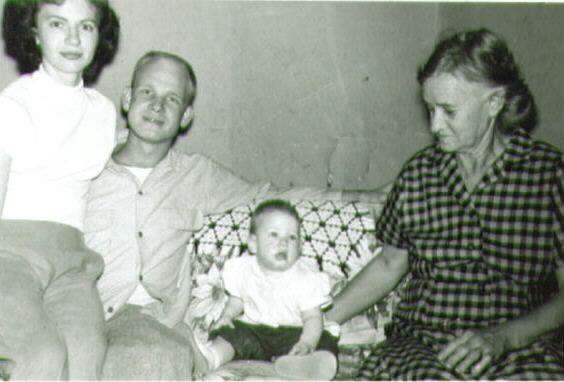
{"x":99,"y":342}
{"x":44,"y":358}
{"x":87,"y":351}
{"x":55,"y":353}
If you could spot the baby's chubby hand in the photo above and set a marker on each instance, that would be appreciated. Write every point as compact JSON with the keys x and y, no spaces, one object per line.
{"x":301,"y":348}
{"x":222,"y":321}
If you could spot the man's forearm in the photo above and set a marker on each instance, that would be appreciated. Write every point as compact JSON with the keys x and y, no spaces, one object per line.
{"x":366,"y":196}
{"x":377,"y":195}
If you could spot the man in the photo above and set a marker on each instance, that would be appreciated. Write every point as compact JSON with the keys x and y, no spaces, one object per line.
{"x":150,"y":199}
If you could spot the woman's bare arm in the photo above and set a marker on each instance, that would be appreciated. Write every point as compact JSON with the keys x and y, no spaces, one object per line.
{"x":370,"y":285}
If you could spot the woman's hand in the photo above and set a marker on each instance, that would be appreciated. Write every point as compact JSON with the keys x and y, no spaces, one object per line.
{"x":473,"y":351}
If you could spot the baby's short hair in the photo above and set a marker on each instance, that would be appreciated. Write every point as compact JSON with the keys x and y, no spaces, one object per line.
{"x":273,"y":205}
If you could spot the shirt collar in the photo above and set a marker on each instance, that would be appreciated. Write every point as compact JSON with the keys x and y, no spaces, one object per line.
{"x":55,"y":86}
{"x":518,"y":149}
{"x":166,"y":163}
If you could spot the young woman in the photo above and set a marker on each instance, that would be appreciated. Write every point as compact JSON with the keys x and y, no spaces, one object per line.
{"x":55,"y":136}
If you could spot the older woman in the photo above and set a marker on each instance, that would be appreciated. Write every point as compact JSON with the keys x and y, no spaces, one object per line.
{"x":477,"y":220}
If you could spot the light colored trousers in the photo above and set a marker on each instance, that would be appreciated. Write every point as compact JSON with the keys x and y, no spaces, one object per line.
{"x":51,"y":317}
{"x":141,"y":349}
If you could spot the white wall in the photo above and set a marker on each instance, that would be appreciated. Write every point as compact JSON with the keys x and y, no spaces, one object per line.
{"x":318,"y":93}
{"x":303,"y":93}
{"x":535,"y":34}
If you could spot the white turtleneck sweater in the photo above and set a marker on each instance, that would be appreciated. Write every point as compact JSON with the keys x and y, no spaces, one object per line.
{"x":58,"y":138}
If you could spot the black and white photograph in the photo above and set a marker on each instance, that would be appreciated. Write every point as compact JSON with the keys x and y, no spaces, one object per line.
{"x":229,"y":190}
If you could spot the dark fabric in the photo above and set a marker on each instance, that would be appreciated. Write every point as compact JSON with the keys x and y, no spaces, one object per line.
{"x":479,"y":258}
{"x":407,"y":358}
{"x":261,"y":342}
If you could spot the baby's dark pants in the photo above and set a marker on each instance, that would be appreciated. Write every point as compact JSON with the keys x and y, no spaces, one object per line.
{"x":261,"y":342}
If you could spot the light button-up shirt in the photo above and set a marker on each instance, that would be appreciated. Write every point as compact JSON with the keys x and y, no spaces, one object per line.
{"x":142,"y":230}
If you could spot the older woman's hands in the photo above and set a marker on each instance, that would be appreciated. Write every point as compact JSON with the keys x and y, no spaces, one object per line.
{"x":473,"y":351}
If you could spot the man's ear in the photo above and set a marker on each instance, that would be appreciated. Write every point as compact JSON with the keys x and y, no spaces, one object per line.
{"x":126,"y":99}
{"x":252,"y":243}
{"x":496,"y":101}
{"x":187,"y":117}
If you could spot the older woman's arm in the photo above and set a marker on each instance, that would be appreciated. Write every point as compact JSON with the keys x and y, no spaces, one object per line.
{"x":473,"y":351}
{"x":370,"y":285}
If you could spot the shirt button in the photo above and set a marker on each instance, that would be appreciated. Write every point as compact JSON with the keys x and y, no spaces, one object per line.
{"x":140,"y":277}
{"x":110,"y":309}
{"x":140,"y":192}
{"x":140,"y":234}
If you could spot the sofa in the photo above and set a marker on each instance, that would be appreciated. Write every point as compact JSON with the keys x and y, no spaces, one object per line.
{"x":333,"y":234}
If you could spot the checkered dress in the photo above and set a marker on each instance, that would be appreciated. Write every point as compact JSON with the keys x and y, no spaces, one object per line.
{"x":476,"y":259}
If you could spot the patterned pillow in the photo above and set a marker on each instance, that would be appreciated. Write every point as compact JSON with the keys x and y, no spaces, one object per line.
{"x":333,"y":233}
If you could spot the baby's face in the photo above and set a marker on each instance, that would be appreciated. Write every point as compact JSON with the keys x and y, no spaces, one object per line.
{"x":276,"y":242}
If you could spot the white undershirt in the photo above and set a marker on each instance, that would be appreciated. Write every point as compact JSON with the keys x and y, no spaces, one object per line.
{"x":141,"y":173}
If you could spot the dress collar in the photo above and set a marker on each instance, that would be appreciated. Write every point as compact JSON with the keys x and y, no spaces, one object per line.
{"x":42,"y":76}
{"x":518,"y":148}
{"x":165,"y":163}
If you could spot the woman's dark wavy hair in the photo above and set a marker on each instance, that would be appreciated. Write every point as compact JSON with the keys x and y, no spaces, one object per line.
{"x":18,"y":25}
{"x":481,"y":56}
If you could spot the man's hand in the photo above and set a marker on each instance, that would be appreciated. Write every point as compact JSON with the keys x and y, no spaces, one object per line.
{"x":302,"y":348}
{"x":472,"y":352}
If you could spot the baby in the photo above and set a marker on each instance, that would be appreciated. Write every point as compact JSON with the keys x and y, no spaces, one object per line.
{"x":274,"y":308}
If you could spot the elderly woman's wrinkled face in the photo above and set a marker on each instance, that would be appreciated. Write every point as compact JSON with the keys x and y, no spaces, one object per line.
{"x":461,"y":113}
